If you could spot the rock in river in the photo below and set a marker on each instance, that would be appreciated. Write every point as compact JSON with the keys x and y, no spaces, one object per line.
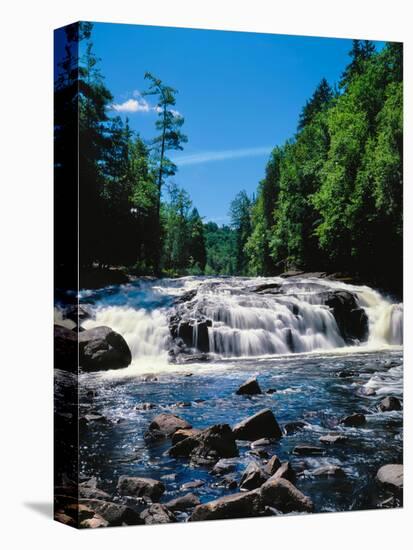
{"x":261,"y":424}
{"x":283,"y":496}
{"x":165,"y":425}
{"x":333,"y":439}
{"x":250,"y":387}
{"x":329,"y":470}
{"x":101,"y":348}
{"x":353,"y":420}
{"x":140,"y":486}
{"x":272,"y":465}
{"x":253,"y":477}
{"x":307,"y":450}
{"x":390,"y":404}
{"x":239,"y":505}
{"x":391,"y":476}
{"x":183,"y":503}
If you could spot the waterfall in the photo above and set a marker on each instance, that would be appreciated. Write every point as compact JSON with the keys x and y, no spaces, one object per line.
{"x":248,"y":316}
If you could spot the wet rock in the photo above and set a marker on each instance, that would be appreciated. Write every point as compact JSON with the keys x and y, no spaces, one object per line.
{"x":250,"y":387}
{"x":329,"y":470}
{"x":183,"y":503}
{"x":239,"y":505}
{"x":224,"y":466}
{"x":259,"y":453}
{"x":353,"y":420}
{"x":113,"y":513}
{"x":307,"y":450}
{"x":391,"y":476}
{"x":92,"y":492}
{"x":282,"y":495}
{"x":165,"y":425}
{"x":270,"y":391}
{"x":351,"y":319}
{"x":102,"y":348}
{"x":390,"y":404}
{"x":208,"y":446}
{"x":182,"y":404}
{"x":285,"y":471}
{"x":140,"y":486}
{"x":78,"y":314}
{"x":333,"y":439}
{"x":61,"y":517}
{"x":253,"y":477}
{"x":294,"y":427}
{"x":195,"y":484}
{"x":157,"y":513}
{"x":261,"y":424}
{"x":366,"y":391}
{"x":347,"y":374}
{"x":272,"y":465}
{"x":145,"y":406}
{"x":182,"y":434}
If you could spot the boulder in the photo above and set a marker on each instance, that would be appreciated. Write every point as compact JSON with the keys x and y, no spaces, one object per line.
{"x":283,"y":496}
{"x":293,"y":427}
{"x":307,"y":450}
{"x":208,"y":446}
{"x":391,"y":476}
{"x":329,"y":470}
{"x":65,"y":349}
{"x":182,"y":434}
{"x":353,"y":420}
{"x":195,"y":484}
{"x":140,"y":486}
{"x":92,"y":492}
{"x":183,"y":503}
{"x":113,"y":513}
{"x":390,"y":404}
{"x":347,"y":374}
{"x":285,"y":471}
{"x":238,"y":505}
{"x":253,"y":477}
{"x":157,"y":513}
{"x":102,"y":348}
{"x":261,"y":424}
{"x":250,"y":387}
{"x":333,"y":439}
{"x":351,"y":319}
{"x":166,"y":424}
{"x":272,"y":465}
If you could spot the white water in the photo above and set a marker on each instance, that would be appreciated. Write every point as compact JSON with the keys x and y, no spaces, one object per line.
{"x":244,"y":323}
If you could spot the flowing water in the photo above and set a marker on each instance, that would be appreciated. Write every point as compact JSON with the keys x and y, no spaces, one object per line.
{"x":285,"y":336}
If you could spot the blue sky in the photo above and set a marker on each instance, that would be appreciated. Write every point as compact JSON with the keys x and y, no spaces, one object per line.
{"x":240,"y":94}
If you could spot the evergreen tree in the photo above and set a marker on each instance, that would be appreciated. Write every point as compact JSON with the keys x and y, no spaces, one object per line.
{"x":240,"y":212}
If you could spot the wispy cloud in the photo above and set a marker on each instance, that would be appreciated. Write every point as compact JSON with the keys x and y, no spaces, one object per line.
{"x":138,"y":104}
{"x":213,"y":156}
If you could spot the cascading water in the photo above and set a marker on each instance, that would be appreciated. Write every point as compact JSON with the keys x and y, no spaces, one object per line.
{"x":248,"y":317}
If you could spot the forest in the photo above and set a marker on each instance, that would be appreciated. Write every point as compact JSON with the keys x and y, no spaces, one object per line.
{"x":330,"y":199}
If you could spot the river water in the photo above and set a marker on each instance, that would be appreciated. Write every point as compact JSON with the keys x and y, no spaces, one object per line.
{"x":285,"y":337}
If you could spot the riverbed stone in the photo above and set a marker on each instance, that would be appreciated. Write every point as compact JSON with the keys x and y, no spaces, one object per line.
{"x":390,"y":403}
{"x":353,"y":420}
{"x":238,"y":505}
{"x":284,"y":496}
{"x":285,"y":471}
{"x":329,"y":470}
{"x":183,"y":503}
{"x":166,"y":424}
{"x":140,"y":486}
{"x":157,"y":513}
{"x":391,"y":476}
{"x":304,"y":450}
{"x":261,"y":424}
{"x":101,"y":348}
{"x":250,"y":387}
{"x":224,"y":466}
{"x":253,"y":477}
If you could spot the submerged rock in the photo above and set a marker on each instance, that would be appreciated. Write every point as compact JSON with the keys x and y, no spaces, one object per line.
{"x":102,"y":348}
{"x":250,"y":387}
{"x":239,"y":505}
{"x":390,"y":404}
{"x":353,"y":420}
{"x":262,"y":424}
{"x":140,"y":486}
{"x":282,"y":495}
{"x":391,"y":476}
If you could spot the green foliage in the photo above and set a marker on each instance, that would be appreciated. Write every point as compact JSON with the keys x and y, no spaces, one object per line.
{"x":220,"y":250}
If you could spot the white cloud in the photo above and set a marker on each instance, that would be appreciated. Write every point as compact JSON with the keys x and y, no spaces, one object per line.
{"x":212,"y":156}
{"x":132,"y":106}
